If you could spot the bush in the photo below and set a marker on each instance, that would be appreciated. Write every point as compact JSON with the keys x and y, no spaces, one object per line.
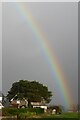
{"x":37,"y":110}
{"x":9,"y":111}
{"x":27,"y":114}
{"x":15,"y":111}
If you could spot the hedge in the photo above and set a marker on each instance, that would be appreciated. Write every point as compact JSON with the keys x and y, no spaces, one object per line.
{"x":16,"y":111}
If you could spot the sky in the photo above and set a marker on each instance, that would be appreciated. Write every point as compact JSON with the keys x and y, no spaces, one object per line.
{"x":78,"y":51}
{"x":23,"y":56}
{"x":39,"y":0}
{"x":0,"y":46}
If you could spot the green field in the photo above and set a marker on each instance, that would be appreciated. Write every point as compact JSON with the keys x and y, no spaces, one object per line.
{"x":63,"y":116}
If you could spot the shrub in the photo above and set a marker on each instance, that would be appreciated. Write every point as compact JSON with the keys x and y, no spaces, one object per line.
{"x":27,"y":114}
{"x":15,"y":111}
{"x":9,"y":111}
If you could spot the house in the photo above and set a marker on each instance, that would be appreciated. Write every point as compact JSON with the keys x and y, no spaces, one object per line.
{"x":0,"y":98}
{"x":19,"y":103}
{"x":55,"y":109}
{"x":39,"y":105}
{"x":1,"y":106}
{"x":15,"y":102}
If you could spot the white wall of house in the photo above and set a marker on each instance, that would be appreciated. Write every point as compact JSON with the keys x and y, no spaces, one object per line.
{"x":44,"y":107}
{"x":1,"y":106}
{"x":0,"y":99}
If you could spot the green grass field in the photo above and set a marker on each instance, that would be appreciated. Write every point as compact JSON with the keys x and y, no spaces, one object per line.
{"x":64,"y":115}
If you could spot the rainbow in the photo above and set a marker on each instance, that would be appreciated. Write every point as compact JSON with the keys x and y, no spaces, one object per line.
{"x":45,"y":47}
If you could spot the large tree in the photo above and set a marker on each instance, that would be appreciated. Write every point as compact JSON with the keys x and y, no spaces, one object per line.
{"x":31,"y":90}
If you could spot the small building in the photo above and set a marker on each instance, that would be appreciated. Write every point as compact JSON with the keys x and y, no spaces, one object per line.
{"x":19,"y":103}
{"x":39,"y":105}
{"x":0,"y":98}
{"x":1,"y":106}
{"x":55,"y":109}
{"x":15,"y":102}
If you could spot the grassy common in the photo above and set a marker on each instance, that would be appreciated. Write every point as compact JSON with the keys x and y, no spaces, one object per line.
{"x":65,"y":115}
{"x":37,"y":113}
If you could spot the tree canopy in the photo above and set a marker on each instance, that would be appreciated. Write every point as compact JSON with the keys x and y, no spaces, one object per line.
{"x":31,"y":90}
